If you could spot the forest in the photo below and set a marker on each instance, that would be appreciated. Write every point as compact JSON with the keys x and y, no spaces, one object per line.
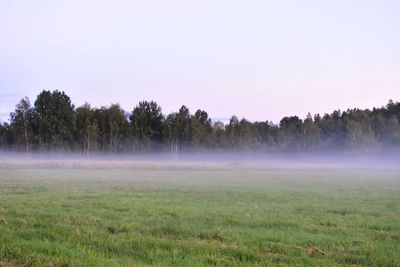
{"x":53,"y":123}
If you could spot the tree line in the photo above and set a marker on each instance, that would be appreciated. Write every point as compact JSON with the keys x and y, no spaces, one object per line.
{"x":53,"y":123}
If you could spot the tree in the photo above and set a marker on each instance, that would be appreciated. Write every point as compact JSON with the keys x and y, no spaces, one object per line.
{"x":333,"y":132}
{"x":291,"y":133}
{"x":184,"y":128}
{"x":359,"y":133}
{"x":392,"y":131}
{"x":53,"y":123}
{"x":266,"y":134}
{"x":232,"y":132}
{"x":5,"y":136}
{"x":311,"y":133}
{"x":21,"y":120}
{"x":54,"y":119}
{"x":354,"y":132}
{"x":179,"y":130}
{"x":87,"y":129}
{"x":117,"y":125}
{"x":171,"y":132}
{"x":378,"y":126}
{"x":147,"y":123}
{"x":201,"y":129}
{"x":246,"y":135}
{"x":2,"y":136}
{"x":392,"y":109}
{"x":217,"y":135}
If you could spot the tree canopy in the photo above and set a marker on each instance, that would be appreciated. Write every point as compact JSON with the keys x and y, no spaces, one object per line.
{"x":54,"y":124}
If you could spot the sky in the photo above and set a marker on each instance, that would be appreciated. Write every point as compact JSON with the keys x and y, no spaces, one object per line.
{"x":261,"y":60}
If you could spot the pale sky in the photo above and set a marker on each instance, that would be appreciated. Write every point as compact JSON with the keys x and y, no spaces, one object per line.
{"x":256,"y":59}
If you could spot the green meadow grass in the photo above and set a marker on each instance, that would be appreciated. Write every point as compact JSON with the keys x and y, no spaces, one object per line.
{"x":199,"y":216}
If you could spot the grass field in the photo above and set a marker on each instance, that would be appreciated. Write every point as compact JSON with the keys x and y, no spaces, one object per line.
{"x":196,"y":215}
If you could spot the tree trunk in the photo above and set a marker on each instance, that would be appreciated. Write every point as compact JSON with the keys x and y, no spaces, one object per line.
{"x":26,"y":134}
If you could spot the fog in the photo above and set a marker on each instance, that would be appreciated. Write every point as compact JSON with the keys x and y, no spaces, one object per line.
{"x":302,"y":172}
{"x":258,"y":160}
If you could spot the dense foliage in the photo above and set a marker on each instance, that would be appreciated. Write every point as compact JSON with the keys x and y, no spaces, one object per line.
{"x":54,"y":124}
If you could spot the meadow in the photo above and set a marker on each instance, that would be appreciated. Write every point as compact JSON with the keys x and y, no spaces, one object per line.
{"x":194,"y":214}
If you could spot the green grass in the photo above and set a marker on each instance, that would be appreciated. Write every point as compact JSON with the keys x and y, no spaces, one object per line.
{"x":199,"y":216}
